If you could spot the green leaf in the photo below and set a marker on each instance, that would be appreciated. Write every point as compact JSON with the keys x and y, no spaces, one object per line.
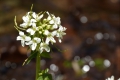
{"x":67,"y":64}
{"x":32,"y":55}
{"x":48,"y":76}
{"x":44,"y":75}
{"x":99,"y":63}
{"x":45,"y":54}
{"x":40,"y":78}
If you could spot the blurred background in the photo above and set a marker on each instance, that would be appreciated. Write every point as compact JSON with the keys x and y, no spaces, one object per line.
{"x":89,"y":51}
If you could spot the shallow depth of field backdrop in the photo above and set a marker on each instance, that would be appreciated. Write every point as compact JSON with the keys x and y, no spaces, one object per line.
{"x":89,"y":51}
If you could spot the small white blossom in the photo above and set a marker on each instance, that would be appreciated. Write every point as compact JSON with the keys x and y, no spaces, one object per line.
{"x":32,"y":30}
{"x":23,"y":38}
{"x":55,"y":21}
{"x":26,"y":20}
{"x":60,"y":32}
{"x":112,"y":78}
{"x":44,"y":46}
{"x":50,"y":37}
{"x":33,"y":43}
{"x":36,"y":17}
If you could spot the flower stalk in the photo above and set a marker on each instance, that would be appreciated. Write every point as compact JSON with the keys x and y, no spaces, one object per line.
{"x":37,"y":65}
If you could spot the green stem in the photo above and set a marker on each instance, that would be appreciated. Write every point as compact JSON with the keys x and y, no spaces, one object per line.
{"x":37,"y":65}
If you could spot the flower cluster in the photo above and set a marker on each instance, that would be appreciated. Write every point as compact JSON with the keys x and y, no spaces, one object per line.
{"x":37,"y":32}
{"x":112,"y":78}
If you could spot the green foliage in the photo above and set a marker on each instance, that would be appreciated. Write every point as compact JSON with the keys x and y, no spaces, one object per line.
{"x":44,"y":75}
{"x":99,"y":63}
{"x":67,"y":64}
{"x":81,"y":62}
{"x":45,"y":54}
{"x":32,"y":55}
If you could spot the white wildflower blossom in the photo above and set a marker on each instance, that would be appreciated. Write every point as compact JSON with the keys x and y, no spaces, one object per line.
{"x":40,"y":32}
{"x":55,"y":21}
{"x":34,"y":42}
{"x":26,"y":20}
{"x":50,"y":37}
{"x":60,"y":32}
{"x":111,"y":78}
{"x":36,"y":16}
{"x":32,"y":30}
{"x":23,"y":38}
{"x":44,"y":46}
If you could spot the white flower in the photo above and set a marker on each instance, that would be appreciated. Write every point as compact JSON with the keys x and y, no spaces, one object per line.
{"x":27,"y":21}
{"x":33,"y":43}
{"x":32,"y":22}
{"x":40,"y":31}
{"x":32,"y":30}
{"x":60,"y":32}
{"x":55,"y":21}
{"x":112,"y":78}
{"x":44,"y":46}
{"x":23,"y":38}
{"x":36,"y":17}
{"x":50,"y":37}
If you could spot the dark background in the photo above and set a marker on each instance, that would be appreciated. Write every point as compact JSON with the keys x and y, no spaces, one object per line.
{"x":92,"y":39}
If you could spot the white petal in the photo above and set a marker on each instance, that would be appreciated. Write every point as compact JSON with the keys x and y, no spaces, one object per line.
{"x":49,"y":18}
{"x":58,"y":20}
{"x":41,"y":50}
{"x":112,"y":77}
{"x":22,"y":43}
{"x":31,"y":31}
{"x":47,"y":40}
{"x":28,"y":43}
{"x":32,"y":20}
{"x":46,"y":32}
{"x":34,"y":15}
{"x":60,"y":40}
{"x":44,"y":46}
{"x":47,"y":48}
{"x":21,"y":33}
{"x":55,"y":26}
{"x":32,"y":24}
{"x":37,"y":39}
{"x":40,"y":17}
{"x":60,"y":28}
{"x":19,"y":38}
{"x":64,"y":28}
{"x":51,"y":22}
{"x":52,"y":40}
{"x":27,"y":38}
{"x":24,"y":25}
{"x":54,"y":33}
{"x":33,"y":46}
{"x":47,"y":13}
{"x":58,"y":35}
{"x":25,"y":18}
